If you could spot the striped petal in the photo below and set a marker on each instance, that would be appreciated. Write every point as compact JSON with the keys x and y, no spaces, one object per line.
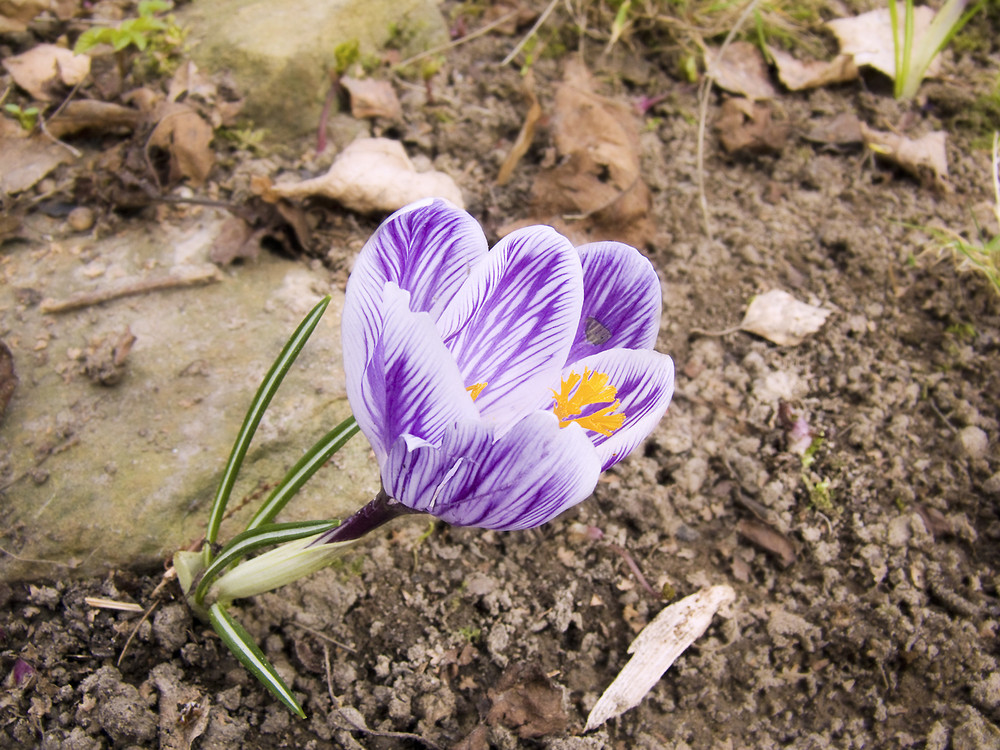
{"x":622,"y":301}
{"x":525,"y":478}
{"x":644,"y":381}
{"x":512,"y":323}
{"x":411,"y":384}
{"x":426,"y":248}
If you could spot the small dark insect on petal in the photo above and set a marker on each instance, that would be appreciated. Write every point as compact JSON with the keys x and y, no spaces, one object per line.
{"x":595,"y":331}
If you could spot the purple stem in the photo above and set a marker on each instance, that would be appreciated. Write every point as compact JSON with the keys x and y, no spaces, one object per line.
{"x":378,"y":511}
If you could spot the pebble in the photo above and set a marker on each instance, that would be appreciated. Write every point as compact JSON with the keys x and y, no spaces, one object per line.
{"x":973,"y":442}
{"x":80,"y":219}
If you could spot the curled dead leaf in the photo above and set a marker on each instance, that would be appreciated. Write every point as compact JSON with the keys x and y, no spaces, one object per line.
{"x":777,"y":316}
{"x":526,"y":700}
{"x":25,"y":161}
{"x":740,"y":70}
{"x":746,"y":127}
{"x":769,"y":539}
{"x":373,"y":175}
{"x":868,"y":38}
{"x":186,"y":137}
{"x":797,"y":75}
{"x":657,"y":647}
{"x":93,"y":115}
{"x":371,"y":98}
{"x":925,"y":157}
{"x":41,"y":70}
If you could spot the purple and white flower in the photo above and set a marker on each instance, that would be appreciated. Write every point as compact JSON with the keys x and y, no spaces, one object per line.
{"x":495,"y":385}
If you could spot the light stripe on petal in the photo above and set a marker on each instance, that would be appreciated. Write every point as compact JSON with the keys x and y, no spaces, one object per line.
{"x":512,"y":323}
{"x":644,"y":381}
{"x":622,"y":300}
{"x":411,"y":385}
{"x":529,"y":476}
{"x":426,"y":248}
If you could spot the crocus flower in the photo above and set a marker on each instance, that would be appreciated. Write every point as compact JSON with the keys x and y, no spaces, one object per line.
{"x":495,"y":385}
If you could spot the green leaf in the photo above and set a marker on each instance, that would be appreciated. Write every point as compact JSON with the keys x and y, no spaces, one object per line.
{"x":241,"y":644}
{"x":299,"y":474}
{"x":243,"y":544}
{"x":257,"y":408}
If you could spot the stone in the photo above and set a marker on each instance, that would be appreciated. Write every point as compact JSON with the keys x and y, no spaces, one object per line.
{"x":973,"y":442}
{"x":281,"y":53}
{"x":95,"y":477}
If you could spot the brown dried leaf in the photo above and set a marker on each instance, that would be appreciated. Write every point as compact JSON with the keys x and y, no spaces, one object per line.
{"x":8,"y":378}
{"x":186,"y":137}
{"x":373,"y":175}
{"x":769,"y":539}
{"x":746,"y":127}
{"x":868,"y":37}
{"x":189,"y":80}
{"x":597,"y":185}
{"x":740,"y":70}
{"x":797,"y":75}
{"x":235,"y":241}
{"x":371,"y":98}
{"x":525,"y":700}
{"x":779,"y":317}
{"x":25,"y":161}
{"x":15,"y":14}
{"x":90,"y":114}
{"x":925,"y":157}
{"x":41,"y":70}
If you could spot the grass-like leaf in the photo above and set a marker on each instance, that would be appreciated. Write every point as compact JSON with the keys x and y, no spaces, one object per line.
{"x":299,"y":474}
{"x":241,"y":644}
{"x":257,"y":408}
{"x":263,"y":536}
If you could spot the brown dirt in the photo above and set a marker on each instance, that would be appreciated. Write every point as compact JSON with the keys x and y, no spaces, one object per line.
{"x":882,"y":632}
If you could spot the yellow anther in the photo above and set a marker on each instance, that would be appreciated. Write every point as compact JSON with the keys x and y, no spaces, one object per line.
{"x":591,"y":389}
{"x":475,"y":389}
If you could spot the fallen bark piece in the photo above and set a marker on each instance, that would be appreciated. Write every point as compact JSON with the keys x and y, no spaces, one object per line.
{"x":779,"y":317}
{"x":374,"y":175}
{"x":656,"y":648}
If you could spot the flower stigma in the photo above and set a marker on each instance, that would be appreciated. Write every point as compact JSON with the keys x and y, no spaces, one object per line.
{"x":591,"y":389}
{"x":475,"y":389}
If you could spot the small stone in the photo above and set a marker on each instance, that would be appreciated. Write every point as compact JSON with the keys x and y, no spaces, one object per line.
{"x":80,"y":219}
{"x":973,"y":442}
{"x":992,"y":485}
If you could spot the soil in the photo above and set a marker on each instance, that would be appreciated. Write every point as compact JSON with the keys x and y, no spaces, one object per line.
{"x":866,"y":616}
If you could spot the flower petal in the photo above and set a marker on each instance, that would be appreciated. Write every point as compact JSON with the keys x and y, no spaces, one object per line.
{"x":529,"y":476}
{"x":411,"y":384}
{"x":511,"y":325}
{"x":622,"y":300}
{"x":644,"y":381}
{"x":426,"y":248}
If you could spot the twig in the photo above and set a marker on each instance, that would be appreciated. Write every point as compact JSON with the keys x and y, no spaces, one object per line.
{"x":178,"y":278}
{"x":135,"y":629}
{"x":633,"y":566}
{"x":706,"y":89}
{"x":538,"y":24}
{"x":715,"y":334}
{"x":35,"y":560}
{"x":458,"y":42}
{"x":324,"y":637}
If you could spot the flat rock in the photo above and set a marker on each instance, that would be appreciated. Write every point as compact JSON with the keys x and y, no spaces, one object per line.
{"x":281,"y":53}
{"x":93,"y":477}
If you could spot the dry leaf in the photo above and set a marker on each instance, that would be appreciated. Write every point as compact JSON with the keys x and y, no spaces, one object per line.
{"x":746,"y":127}
{"x":769,"y":539}
{"x":925,"y":157}
{"x":777,"y":316}
{"x":90,"y":114}
{"x":868,"y":37}
{"x":797,"y":75}
{"x":656,"y":648}
{"x":186,"y":137}
{"x":25,"y":161}
{"x":526,"y":700}
{"x":40,"y":70}
{"x":189,"y":80}
{"x":15,"y":14}
{"x":597,"y":185}
{"x":371,"y":98}
{"x":527,"y":134}
{"x":374,"y":175}
{"x":740,"y":70}
{"x":236,"y":241}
